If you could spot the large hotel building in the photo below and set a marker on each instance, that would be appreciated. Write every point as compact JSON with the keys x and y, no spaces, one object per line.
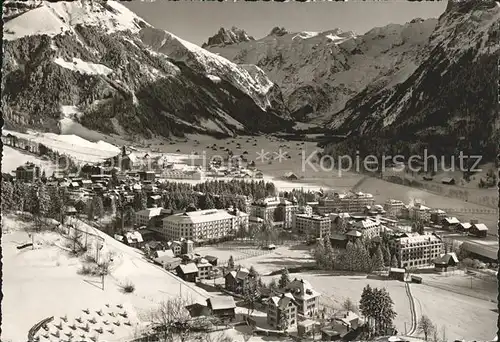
{"x":345,"y":203}
{"x":317,"y":226}
{"x":275,"y":209}
{"x":202,"y":224}
{"x":416,"y":250}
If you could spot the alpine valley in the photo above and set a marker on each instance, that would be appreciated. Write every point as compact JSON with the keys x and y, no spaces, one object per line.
{"x":425,"y":84}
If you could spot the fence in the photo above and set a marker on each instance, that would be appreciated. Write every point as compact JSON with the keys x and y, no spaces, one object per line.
{"x":32,"y":332}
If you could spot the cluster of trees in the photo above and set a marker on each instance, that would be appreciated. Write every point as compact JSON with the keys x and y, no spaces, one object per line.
{"x":255,"y":189}
{"x":490,"y":181}
{"x":376,"y":305}
{"x":429,"y":329}
{"x":359,"y":256}
{"x":302,"y":196}
{"x":36,"y":198}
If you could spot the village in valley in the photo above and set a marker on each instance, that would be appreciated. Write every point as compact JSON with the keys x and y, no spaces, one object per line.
{"x":166,"y":240}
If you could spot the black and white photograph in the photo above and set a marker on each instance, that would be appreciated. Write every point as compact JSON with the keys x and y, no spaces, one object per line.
{"x":182,"y":171}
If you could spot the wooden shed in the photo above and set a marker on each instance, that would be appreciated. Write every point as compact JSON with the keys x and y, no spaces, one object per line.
{"x":397,"y":273}
{"x":416,"y":279}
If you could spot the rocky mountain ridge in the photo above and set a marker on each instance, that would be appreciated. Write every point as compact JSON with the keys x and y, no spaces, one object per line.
{"x":319,"y":72}
{"x":98,"y":64}
{"x":227,"y":37}
{"x":448,"y":103}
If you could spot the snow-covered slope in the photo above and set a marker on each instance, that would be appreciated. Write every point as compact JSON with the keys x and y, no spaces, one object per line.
{"x":123,"y":76}
{"x":52,"y":18}
{"x":447,"y":101}
{"x":320,"y":71}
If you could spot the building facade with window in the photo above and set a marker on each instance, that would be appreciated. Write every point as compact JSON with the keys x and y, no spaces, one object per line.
{"x":306,"y":297}
{"x":282,"y":311}
{"x":28,"y":173}
{"x":415,"y":250}
{"x":199,"y":225}
{"x":352,"y":202}
{"x":143,"y":217}
{"x":312,"y":225}
{"x":275,"y":209}
{"x":394,"y":208}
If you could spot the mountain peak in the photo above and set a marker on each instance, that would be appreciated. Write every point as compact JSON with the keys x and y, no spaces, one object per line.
{"x":278,"y":31}
{"x":230,"y":36}
{"x":23,"y":18}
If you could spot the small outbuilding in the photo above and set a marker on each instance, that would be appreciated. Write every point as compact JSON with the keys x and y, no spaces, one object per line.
{"x":306,"y":328}
{"x":188,"y":272}
{"x":445,"y":262}
{"x":397,"y":273}
{"x":416,"y":279}
{"x":222,"y":307}
{"x":479,"y":230}
{"x":448,"y":180}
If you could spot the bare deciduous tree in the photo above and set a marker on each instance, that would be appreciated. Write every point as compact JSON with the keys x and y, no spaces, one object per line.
{"x":349,"y":305}
{"x":171,"y":318}
{"x":426,"y":326}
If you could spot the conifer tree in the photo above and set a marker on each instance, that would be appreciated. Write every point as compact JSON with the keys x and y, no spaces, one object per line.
{"x":230,"y":263}
{"x":394,"y":261}
{"x":378,"y":259}
{"x":387,"y":255}
{"x":284,"y":279}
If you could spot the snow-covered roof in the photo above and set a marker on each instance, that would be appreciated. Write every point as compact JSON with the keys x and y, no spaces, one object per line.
{"x":150,"y":212}
{"x":452,"y":220}
{"x":480,"y":226}
{"x":199,"y":216}
{"x":189,"y":268}
{"x":222,"y":302}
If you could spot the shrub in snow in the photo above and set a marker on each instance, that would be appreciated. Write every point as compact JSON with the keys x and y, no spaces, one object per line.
{"x":128,"y":287}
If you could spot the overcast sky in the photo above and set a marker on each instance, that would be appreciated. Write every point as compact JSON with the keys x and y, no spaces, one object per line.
{"x":195,"y":21}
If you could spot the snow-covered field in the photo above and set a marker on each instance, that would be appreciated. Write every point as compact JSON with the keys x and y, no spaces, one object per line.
{"x":263,"y":261}
{"x":45,"y":282}
{"x":73,"y":145}
{"x":12,"y":158}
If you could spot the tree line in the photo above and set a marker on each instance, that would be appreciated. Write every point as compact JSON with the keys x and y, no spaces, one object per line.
{"x":362,"y":255}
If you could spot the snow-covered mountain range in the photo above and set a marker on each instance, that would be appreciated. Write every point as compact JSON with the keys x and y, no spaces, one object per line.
{"x":447,"y":103}
{"x":427,"y":83}
{"x":320,"y":71}
{"x":121,"y":75}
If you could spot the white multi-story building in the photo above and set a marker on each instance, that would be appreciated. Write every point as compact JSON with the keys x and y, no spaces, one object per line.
{"x":282,"y":311}
{"x":240,"y":218}
{"x":349,"y":202}
{"x":199,"y":225}
{"x":143,"y":217}
{"x":305,"y":296}
{"x":275,"y":209}
{"x":369,"y":228}
{"x":305,"y":209}
{"x":394,"y":207}
{"x":417,"y":250}
{"x":312,"y":225}
{"x":420,"y":212}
